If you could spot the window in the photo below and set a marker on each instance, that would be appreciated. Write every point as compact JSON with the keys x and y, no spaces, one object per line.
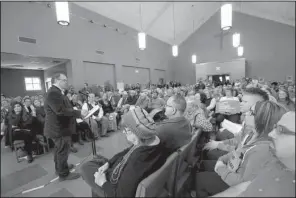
{"x":33,"y":84}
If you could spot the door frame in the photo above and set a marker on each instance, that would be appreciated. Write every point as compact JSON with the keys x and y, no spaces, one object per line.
{"x":226,"y":74}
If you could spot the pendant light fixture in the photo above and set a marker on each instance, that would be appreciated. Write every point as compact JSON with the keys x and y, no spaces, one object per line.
{"x":193,"y":57}
{"x":226,"y":16}
{"x":236,"y":39}
{"x":141,"y":35}
{"x":174,"y":47}
{"x":240,"y":50}
{"x":62,"y":12}
{"x":175,"y":50}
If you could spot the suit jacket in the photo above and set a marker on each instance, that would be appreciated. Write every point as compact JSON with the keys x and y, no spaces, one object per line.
{"x":60,"y":115}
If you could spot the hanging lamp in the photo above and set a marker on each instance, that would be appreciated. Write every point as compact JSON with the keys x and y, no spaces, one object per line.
{"x":226,"y":16}
{"x":240,"y":51}
{"x":193,"y":57}
{"x":174,"y":47}
{"x":62,"y":12}
{"x":141,"y":35}
{"x":236,"y":39}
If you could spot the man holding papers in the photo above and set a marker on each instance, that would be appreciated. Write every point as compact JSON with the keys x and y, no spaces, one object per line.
{"x":59,"y":124}
{"x":97,"y":118}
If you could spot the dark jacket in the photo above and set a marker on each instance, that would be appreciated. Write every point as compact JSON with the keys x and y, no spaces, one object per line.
{"x":60,"y":115}
{"x":40,"y":114}
{"x":174,"y":133}
{"x":143,"y":161}
{"x":21,"y":121}
{"x":107,"y":108}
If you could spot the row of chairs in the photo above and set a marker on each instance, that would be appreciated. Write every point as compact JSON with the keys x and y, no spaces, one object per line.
{"x":173,"y":176}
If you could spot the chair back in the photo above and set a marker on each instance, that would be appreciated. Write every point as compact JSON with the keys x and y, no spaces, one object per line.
{"x":157,"y":184}
{"x":185,"y":163}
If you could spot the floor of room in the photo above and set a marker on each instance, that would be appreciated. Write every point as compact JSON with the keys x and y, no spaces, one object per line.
{"x":19,"y":177}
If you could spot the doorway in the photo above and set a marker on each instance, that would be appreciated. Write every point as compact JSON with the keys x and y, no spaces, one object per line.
{"x":222,"y":78}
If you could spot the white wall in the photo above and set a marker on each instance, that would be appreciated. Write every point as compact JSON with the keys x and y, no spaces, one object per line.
{"x":77,"y":42}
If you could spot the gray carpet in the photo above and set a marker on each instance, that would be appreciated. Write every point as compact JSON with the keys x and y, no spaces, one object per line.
{"x":22,"y":177}
{"x":62,"y":193}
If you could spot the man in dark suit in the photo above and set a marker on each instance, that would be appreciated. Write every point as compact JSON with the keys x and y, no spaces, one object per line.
{"x":59,"y":124}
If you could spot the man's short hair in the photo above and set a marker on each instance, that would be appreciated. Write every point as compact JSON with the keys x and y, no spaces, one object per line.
{"x":274,"y":83}
{"x":179,"y":102}
{"x":258,"y":92}
{"x":56,"y":77}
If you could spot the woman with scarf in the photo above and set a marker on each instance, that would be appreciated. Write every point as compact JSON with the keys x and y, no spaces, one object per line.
{"x":120,"y":176}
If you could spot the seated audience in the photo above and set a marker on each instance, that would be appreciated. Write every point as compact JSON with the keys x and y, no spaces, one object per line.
{"x":278,"y":178}
{"x":115,"y":98}
{"x":109,"y":114}
{"x":28,"y":106}
{"x":196,"y":116}
{"x":120,"y":176}
{"x":5,"y":108}
{"x":132,"y":98}
{"x":97,"y":117}
{"x":143,"y":100}
{"x":284,"y":99}
{"x":175,"y":131}
{"x":247,"y":160}
{"x":228,"y":141}
{"x":168,"y":94}
{"x":20,"y":122}
{"x":40,"y":116}
{"x":155,"y":102}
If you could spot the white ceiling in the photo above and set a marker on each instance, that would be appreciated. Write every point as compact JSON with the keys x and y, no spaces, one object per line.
{"x":157,"y":17}
{"x":17,"y":61}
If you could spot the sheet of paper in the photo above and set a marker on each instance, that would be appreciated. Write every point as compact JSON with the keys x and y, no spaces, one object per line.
{"x":92,"y":111}
{"x":231,"y":127}
{"x":78,"y":120}
{"x":230,"y":106}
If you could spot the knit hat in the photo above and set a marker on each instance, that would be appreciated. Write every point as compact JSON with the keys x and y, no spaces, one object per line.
{"x":288,"y":121}
{"x":140,"y":123}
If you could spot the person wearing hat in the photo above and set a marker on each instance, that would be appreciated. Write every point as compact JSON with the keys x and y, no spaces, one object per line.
{"x":120,"y":176}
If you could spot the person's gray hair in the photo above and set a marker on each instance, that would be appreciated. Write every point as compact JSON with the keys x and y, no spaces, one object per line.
{"x":179,"y":102}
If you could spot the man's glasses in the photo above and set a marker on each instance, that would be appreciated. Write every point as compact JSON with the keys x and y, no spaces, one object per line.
{"x":65,"y":80}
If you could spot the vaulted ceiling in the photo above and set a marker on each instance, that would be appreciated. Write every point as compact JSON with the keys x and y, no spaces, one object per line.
{"x":157,"y":17}
{"x":17,"y":61}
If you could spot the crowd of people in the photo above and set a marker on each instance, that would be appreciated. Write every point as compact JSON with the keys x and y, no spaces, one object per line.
{"x":246,"y":153}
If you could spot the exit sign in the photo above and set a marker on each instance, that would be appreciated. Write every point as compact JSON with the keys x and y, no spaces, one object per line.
{"x":217,"y":68}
